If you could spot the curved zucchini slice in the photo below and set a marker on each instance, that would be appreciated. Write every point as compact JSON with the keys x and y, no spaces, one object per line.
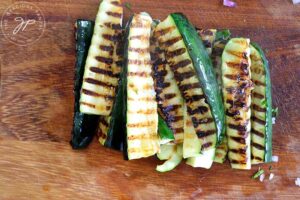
{"x":84,"y":126}
{"x":237,"y":86}
{"x":261,"y":107}
{"x":99,"y":82}
{"x":186,"y":77}
{"x":208,"y":37}
{"x":142,"y":117}
{"x":166,"y":151}
{"x":173,"y":161}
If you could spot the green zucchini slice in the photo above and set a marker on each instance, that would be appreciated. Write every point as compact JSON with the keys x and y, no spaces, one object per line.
{"x":237,"y":86}
{"x":84,"y":126}
{"x":261,"y":107}
{"x":100,"y":81}
{"x":142,"y":117}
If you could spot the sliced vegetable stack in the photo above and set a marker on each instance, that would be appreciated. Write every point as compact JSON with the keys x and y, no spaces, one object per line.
{"x":171,"y":90}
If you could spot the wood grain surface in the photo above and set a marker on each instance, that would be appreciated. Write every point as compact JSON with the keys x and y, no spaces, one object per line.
{"x":36,"y":102}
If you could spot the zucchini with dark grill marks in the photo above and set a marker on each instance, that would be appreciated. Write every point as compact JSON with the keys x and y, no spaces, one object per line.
{"x":99,"y":83}
{"x":170,"y":101}
{"x":142,"y":117}
{"x":261,"y":107}
{"x":237,"y":86}
{"x":84,"y":126}
{"x":173,"y":35}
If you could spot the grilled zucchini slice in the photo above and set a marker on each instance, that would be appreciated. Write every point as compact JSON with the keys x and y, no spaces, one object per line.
{"x":99,"y":82}
{"x":142,"y":117}
{"x":170,"y":101}
{"x":237,"y":86}
{"x":221,"y":39}
{"x":84,"y":126}
{"x":261,"y":107}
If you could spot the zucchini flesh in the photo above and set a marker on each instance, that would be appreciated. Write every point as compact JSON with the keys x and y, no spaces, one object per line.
{"x":191,"y":144}
{"x":173,"y":161}
{"x":142,"y":117}
{"x":180,"y":62}
{"x":170,"y":101}
{"x":166,"y":151}
{"x":84,"y":126}
{"x":203,"y":160}
{"x":237,"y":86}
{"x":208,"y":37}
{"x":261,"y":108}
{"x":203,"y":67}
{"x":99,"y":82}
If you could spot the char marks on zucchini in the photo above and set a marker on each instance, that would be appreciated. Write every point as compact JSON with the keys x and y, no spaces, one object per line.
{"x":142,"y":138}
{"x":261,"y":130}
{"x":181,"y":64}
{"x":101,"y":64}
{"x":237,"y":98}
{"x":170,"y":101}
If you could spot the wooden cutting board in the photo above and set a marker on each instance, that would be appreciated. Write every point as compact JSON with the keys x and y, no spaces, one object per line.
{"x":36,"y":161}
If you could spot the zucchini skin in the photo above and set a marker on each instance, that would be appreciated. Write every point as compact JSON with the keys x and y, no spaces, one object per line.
{"x":164,"y":131}
{"x":100,"y":81}
{"x":268,"y":98}
{"x":84,"y":126}
{"x":203,"y":66}
{"x":237,"y":86}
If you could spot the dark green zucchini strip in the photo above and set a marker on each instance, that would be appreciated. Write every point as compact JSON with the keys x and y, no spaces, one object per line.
{"x":203,"y":66}
{"x":84,"y":126}
{"x":261,"y":107}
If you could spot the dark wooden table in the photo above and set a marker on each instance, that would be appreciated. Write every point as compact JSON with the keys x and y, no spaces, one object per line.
{"x":36,"y":161}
